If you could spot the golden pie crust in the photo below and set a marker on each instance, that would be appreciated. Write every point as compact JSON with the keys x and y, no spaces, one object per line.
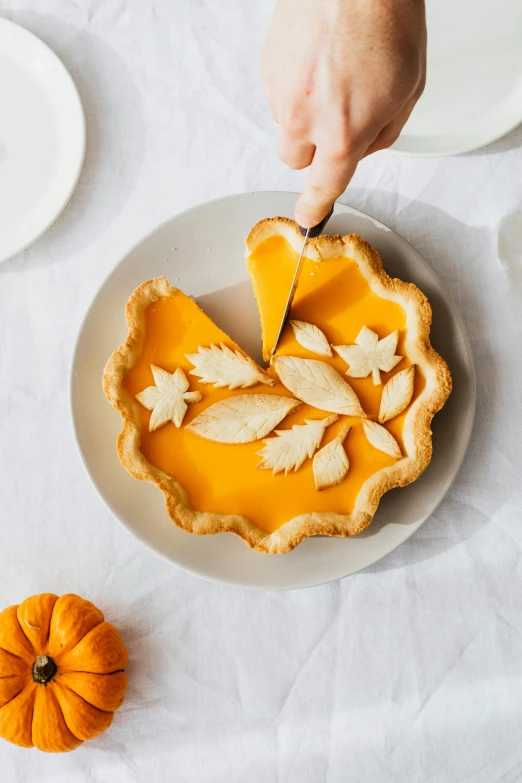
{"x":416,"y":433}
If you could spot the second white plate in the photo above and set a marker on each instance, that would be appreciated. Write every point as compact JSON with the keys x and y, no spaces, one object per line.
{"x":473,"y":92}
{"x":202,"y":252}
{"x":42,"y":138}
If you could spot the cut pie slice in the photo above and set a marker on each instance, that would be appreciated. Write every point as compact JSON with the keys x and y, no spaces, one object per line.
{"x":202,"y":420}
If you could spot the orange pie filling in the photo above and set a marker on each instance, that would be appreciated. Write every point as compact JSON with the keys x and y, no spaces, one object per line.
{"x":224,"y":478}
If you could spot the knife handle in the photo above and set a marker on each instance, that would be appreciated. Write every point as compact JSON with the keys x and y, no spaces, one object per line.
{"x":319,"y":228}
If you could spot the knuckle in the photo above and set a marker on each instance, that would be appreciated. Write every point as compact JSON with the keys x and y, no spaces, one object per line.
{"x":386,"y":142}
{"x":298,"y":165}
{"x":293,"y":118}
{"x":339,"y":139}
{"x":420,"y":86}
{"x":320,"y":193}
{"x":292,"y":160}
{"x":295,"y":156}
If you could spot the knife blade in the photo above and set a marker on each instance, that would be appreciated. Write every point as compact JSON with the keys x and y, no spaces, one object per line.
{"x":308,"y":233}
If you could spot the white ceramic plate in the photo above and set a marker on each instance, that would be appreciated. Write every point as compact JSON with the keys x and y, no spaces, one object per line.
{"x":473,"y":92}
{"x":42,"y":138}
{"x":208,"y":262}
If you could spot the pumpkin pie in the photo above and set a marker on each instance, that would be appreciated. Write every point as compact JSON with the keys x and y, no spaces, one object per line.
{"x":306,"y":447}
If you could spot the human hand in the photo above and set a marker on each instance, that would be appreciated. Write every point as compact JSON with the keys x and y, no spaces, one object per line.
{"x":341,"y":78}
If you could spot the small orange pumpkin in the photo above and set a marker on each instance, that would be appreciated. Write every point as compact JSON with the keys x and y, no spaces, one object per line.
{"x":61,"y":672}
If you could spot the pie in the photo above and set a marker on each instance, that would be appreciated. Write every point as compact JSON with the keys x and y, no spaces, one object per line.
{"x":306,"y":447}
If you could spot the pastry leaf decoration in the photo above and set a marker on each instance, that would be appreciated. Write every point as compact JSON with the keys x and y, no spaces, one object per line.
{"x":168,"y":398}
{"x":381,"y":439}
{"x":319,"y":384}
{"x":330,"y":464}
{"x":397,"y":394}
{"x":242,"y":419}
{"x":311,"y":338}
{"x":289,"y":449}
{"x":223,"y":367}
{"x":370,"y":355}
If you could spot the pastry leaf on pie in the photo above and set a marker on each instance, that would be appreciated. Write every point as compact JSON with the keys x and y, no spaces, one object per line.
{"x":381,"y":439}
{"x":331,"y":464}
{"x":397,"y":394}
{"x":168,"y":398}
{"x":224,"y":367}
{"x":370,"y":355}
{"x":242,"y":419}
{"x":289,"y":449}
{"x":311,"y":337}
{"x":319,"y":384}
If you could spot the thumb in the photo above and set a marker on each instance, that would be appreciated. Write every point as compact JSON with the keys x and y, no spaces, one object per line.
{"x":328,"y":178}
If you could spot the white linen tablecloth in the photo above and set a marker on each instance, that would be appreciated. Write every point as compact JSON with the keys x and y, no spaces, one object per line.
{"x":409,"y":671}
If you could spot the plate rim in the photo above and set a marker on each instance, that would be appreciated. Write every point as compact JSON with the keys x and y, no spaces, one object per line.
{"x":57,"y":210}
{"x":457,"y":149}
{"x":455,"y":143}
{"x":155,"y":549}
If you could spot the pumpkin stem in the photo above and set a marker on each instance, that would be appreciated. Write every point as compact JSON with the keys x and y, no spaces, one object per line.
{"x":44,"y":669}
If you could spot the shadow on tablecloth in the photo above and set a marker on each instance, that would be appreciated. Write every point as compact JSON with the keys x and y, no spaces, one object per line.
{"x":464,"y":257}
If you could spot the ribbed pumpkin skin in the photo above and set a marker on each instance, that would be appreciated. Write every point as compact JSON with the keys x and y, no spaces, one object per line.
{"x":61,"y":672}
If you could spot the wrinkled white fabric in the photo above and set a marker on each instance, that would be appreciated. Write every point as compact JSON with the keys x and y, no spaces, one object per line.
{"x":409,"y":671}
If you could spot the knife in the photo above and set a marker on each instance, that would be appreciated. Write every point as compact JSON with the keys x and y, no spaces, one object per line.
{"x":307,"y":233}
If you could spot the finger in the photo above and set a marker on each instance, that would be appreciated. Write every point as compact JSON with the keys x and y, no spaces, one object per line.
{"x":327,"y":180}
{"x":391,"y":132}
{"x":297,"y":154}
{"x":384,"y":140}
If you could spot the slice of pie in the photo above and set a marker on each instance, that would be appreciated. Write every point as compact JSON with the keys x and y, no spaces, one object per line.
{"x":308,"y":446}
